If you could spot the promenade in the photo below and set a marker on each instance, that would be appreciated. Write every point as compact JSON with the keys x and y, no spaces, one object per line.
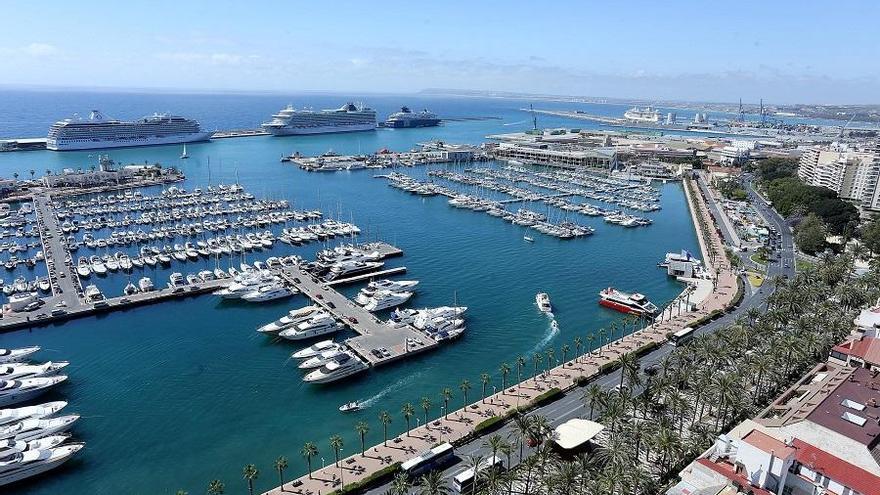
{"x":455,"y":425}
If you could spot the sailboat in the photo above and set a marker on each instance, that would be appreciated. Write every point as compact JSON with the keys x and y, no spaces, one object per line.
{"x":184,"y":156}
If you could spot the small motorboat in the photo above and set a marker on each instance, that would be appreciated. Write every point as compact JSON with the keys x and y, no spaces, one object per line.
{"x":528,"y":239}
{"x":351,"y":407}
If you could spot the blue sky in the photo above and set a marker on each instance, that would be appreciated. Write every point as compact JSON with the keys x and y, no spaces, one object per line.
{"x":786,"y":51}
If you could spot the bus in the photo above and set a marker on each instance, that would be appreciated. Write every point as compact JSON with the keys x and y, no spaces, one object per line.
{"x":682,"y":336}
{"x":464,"y":481}
{"x":429,"y":460}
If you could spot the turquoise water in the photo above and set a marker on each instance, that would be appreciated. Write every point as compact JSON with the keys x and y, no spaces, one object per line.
{"x":177,"y":394}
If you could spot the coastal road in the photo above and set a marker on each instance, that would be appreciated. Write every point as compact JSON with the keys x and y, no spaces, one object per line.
{"x":571,"y":405}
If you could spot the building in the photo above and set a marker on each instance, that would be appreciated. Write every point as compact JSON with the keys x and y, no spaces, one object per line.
{"x":571,"y":157}
{"x":852,"y":174}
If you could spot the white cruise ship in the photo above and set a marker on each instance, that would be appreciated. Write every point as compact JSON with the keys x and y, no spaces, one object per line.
{"x":348,"y":118}
{"x":99,"y":132}
{"x":645,"y":115}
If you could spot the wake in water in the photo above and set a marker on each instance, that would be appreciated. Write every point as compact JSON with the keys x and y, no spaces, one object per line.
{"x":550,"y":334}
{"x":516,"y":123}
{"x":387,"y":390}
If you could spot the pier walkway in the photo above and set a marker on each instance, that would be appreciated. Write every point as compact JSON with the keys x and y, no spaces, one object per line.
{"x":459,"y":426}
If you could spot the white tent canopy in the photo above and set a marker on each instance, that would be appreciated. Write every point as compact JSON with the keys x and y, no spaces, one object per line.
{"x":576,"y":432}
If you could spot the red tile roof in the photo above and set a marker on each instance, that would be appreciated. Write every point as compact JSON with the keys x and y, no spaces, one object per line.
{"x":768,"y":444}
{"x":837,"y":469}
{"x":728,"y":471}
{"x":865,"y":348}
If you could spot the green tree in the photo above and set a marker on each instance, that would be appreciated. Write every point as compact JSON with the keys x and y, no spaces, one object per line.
{"x":445,"y":395}
{"x":216,"y":487}
{"x":485,"y":379}
{"x":505,"y":370}
{"x":385,"y":418}
{"x":362,"y":428}
{"x":251,"y":473}
{"x":280,"y":466}
{"x":810,"y":234}
{"x":408,"y":411}
{"x":426,"y":406}
{"x":336,"y":444}
{"x":308,"y":451}
{"x":464,"y":386}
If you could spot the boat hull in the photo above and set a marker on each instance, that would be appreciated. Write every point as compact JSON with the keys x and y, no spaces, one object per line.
{"x":321,"y":129}
{"x":623,"y":308}
{"x":129,"y":143}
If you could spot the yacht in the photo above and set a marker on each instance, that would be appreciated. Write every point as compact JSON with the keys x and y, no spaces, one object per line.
{"x":23,"y":465}
{"x":342,"y":366}
{"x":424,"y":317}
{"x":343,"y":269}
{"x":543,"y":301}
{"x":372,"y":288}
{"x":83,"y":269}
{"x":15,"y":415}
{"x":98,"y":267}
{"x":626,"y":303}
{"x":348,"y":118}
{"x":387,"y":299}
{"x":17,"y":355}
{"x":245,"y":284}
{"x":321,"y":359}
{"x":316,"y":326}
{"x":314,"y":349}
{"x":269,"y":292}
{"x":145,"y":284}
{"x":98,"y":132}
{"x":176,"y":280}
{"x":33,"y":428}
{"x":292,"y":318}
{"x":9,"y":446}
{"x":15,"y":391}
{"x":14,"y":371}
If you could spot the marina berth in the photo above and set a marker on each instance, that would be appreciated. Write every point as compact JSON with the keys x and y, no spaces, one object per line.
{"x":25,"y":389}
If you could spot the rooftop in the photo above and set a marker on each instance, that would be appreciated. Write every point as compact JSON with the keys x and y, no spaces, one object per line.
{"x":865,"y":348}
{"x":853,"y":408}
{"x":576,"y":432}
{"x":835,"y":468}
{"x":766,"y":443}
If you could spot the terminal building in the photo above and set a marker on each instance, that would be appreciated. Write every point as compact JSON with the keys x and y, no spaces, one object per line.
{"x":564,"y":157}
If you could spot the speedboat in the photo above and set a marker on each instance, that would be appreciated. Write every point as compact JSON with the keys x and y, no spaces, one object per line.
{"x":424,"y":317}
{"x":343,"y":366}
{"x":387,"y":299}
{"x":33,"y":462}
{"x":83,"y":269}
{"x":17,"y":414}
{"x":14,"y":371}
{"x":130,"y":289}
{"x":351,"y":406}
{"x":176,"y":280}
{"x":321,"y":359}
{"x":15,"y":391}
{"x":17,"y":355}
{"x":316,"y":326}
{"x":314,"y":349}
{"x":289,"y":320}
{"x":269,"y":293}
{"x":543,"y":301}
{"x":98,"y":267}
{"x":33,"y":428}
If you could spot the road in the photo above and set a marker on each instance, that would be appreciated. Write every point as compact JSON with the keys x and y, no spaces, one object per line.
{"x":571,"y":406}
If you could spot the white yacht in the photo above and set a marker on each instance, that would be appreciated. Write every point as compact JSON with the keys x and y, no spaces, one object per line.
{"x":15,"y":391}
{"x":269,"y":292}
{"x":14,"y":371}
{"x":543,"y":302}
{"x":9,"y":446}
{"x":17,"y":414}
{"x":424,"y":317}
{"x":98,"y":267}
{"x":372,"y":288}
{"x":342,"y":269}
{"x":314,"y":349}
{"x":342,"y":366}
{"x":145,"y":284}
{"x":387,"y":299}
{"x":316,"y":326}
{"x":83,"y":268}
{"x":290,"y":319}
{"x":17,"y":355}
{"x":33,"y":462}
{"x":246,"y":283}
{"x":33,"y":428}
{"x":321,"y":359}
{"x":176,"y":280}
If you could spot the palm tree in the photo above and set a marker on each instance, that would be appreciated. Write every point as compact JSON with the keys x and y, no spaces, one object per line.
{"x":590,"y":339}
{"x":426,"y":406}
{"x":408,"y":411}
{"x":385,"y":418}
{"x":280,"y":466}
{"x":216,"y":487}
{"x":578,"y":343}
{"x":520,"y":362}
{"x":336,"y":444}
{"x":551,"y":358}
{"x":465,"y":386}
{"x":537,"y":358}
{"x":496,"y":442}
{"x":485,"y":379}
{"x":251,"y":473}
{"x":603,"y":334}
{"x":505,"y":370}
{"x":474,"y":462}
{"x":362,"y":428}
{"x":433,"y":484}
{"x":595,"y":395}
{"x":308,"y":451}
{"x":522,"y":429}
{"x":629,"y":367}
{"x":564,"y":350}
{"x":445,"y":395}
{"x":400,"y":485}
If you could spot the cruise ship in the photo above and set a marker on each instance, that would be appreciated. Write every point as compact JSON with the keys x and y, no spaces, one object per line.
{"x":99,"y":132}
{"x":348,"y":118}
{"x":645,"y":115}
{"x":406,"y":118}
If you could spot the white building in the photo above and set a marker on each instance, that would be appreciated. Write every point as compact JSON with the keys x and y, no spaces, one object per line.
{"x":852,"y":174}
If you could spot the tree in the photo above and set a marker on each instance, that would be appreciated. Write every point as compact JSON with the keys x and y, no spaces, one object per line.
{"x":251,"y":473}
{"x":400,"y":485}
{"x":445,"y":395}
{"x":594,"y":395}
{"x":464,"y":386}
{"x":426,"y":406}
{"x":564,"y":350}
{"x":362,"y":428}
{"x":308,"y":451}
{"x":280,"y":466}
{"x":385,"y":418}
{"x":505,"y":370}
{"x":336,"y":444}
{"x":485,"y":379}
{"x":496,"y":442}
{"x":433,"y":484}
{"x":520,"y":362}
{"x":810,"y":234}
{"x":578,"y":343}
{"x":408,"y":411}
{"x":871,"y":235}
{"x":216,"y":487}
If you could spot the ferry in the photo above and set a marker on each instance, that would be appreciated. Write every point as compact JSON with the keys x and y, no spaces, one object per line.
{"x":626,"y":303}
{"x":406,"y":118}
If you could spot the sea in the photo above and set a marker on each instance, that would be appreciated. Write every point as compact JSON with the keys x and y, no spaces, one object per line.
{"x":177,"y":394}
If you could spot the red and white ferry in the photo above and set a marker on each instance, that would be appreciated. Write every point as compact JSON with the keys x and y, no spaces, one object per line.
{"x":626,"y":303}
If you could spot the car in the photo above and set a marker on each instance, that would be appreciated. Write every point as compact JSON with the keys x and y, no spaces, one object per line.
{"x":319,"y":296}
{"x":353,"y":319}
{"x":58,"y":312}
{"x":41,"y":316}
{"x":62,"y":304}
{"x":32,"y":306}
{"x":124,"y":300}
{"x":331,"y":305}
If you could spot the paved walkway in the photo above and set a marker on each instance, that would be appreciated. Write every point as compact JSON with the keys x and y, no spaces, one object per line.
{"x":460,"y":423}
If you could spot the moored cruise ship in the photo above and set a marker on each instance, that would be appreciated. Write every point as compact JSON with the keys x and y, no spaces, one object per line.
{"x":99,"y":132}
{"x":406,"y":118}
{"x":645,"y":115}
{"x":348,"y":118}
{"x":626,"y":303}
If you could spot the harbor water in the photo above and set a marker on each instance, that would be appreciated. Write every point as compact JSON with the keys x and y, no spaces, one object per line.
{"x":180,"y":393}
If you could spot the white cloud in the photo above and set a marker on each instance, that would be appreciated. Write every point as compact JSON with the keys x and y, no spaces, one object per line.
{"x":208,"y":58}
{"x":40,"y":49}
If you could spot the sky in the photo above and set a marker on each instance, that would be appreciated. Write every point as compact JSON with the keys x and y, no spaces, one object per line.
{"x":783,"y":51}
